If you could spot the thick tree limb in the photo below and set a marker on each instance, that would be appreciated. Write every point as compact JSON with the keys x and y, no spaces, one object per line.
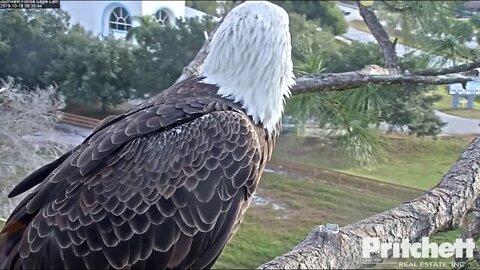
{"x":354,"y":79}
{"x":441,"y":209}
{"x":380,"y":35}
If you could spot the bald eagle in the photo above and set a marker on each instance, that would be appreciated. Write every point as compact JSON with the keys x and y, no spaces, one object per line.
{"x":166,"y":184}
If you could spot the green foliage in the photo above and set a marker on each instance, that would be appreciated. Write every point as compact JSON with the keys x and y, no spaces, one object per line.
{"x":163,"y":52}
{"x":28,"y":43}
{"x":308,"y":42}
{"x":412,"y":105}
{"x":355,"y":56}
{"x":90,"y":70}
{"x":329,"y":16}
{"x":209,"y":7}
{"x":4,"y":48}
{"x":146,"y":23}
{"x":40,"y":48}
{"x":432,"y":26}
{"x":347,"y":118}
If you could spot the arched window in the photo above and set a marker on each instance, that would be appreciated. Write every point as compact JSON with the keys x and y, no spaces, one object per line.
{"x":120,"y":19}
{"x":163,"y":17}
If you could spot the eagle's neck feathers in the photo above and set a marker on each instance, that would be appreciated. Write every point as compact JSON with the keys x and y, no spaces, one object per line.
{"x":249,"y":60}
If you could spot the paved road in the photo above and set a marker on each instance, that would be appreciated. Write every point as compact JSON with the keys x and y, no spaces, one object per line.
{"x":459,"y":125}
{"x":354,"y":34}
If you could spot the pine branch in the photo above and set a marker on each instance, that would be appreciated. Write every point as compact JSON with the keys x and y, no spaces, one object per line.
{"x":354,"y":79}
{"x":449,"y":70}
{"x":395,"y":8}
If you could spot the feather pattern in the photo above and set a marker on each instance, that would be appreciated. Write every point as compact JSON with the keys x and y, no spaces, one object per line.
{"x":162,"y":186}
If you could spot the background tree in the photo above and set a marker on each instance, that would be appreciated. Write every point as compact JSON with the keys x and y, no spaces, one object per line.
{"x":163,"y":51}
{"x":31,"y":38}
{"x":325,"y":13}
{"x":209,"y":7}
{"x":90,"y":70}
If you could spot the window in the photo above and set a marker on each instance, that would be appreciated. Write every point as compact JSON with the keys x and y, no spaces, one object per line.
{"x":163,"y":17}
{"x":120,"y":19}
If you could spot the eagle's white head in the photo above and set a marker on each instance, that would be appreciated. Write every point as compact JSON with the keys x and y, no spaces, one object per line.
{"x":250,"y":60}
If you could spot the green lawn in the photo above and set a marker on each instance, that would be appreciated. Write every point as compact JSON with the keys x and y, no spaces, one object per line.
{"x":445,"y":105}
{"x":413,"y":162}
{"x":266,"y":232}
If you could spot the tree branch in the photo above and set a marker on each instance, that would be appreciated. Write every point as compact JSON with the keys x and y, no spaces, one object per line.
{"x":354,"y":79}
{"x":380,"y":35}
{"x":449,"y":70}
{"x":441,"y":209}
{"x":395,"y":8}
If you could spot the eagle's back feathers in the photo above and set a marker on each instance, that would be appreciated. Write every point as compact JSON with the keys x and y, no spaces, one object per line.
{"x":163,"y":186}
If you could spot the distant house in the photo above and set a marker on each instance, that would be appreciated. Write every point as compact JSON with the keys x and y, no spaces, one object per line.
{"x":116,"y":17}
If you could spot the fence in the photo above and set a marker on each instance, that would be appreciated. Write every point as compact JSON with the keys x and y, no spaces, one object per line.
{"x":347,"y":180}
{"x":78,"y":120}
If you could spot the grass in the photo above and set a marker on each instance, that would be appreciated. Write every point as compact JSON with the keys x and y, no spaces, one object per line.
{"x":266,"y":232}
{"x":413,"y":162}
{"x":445,"y":105}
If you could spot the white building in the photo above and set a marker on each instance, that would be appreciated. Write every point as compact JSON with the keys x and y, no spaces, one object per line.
{"x":117,"y":17}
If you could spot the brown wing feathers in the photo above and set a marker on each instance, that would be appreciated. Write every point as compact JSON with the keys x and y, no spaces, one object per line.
{"x":161,"y":187}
